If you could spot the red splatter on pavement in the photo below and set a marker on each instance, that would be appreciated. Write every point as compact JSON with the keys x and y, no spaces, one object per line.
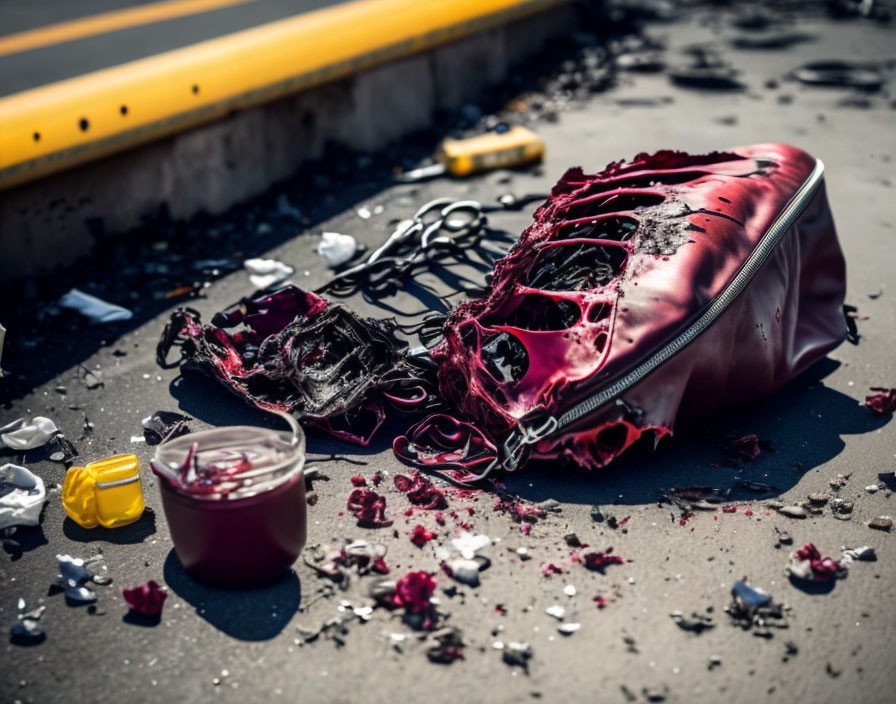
{"x":369,"y":508}
{"x":600,"y":601}
{"x":358,"y":481}
{"x":413,"y":592}
{"x":882,"y":401}
{"x":146,"y":599}
{"x":420,"y":491}
{"x":550,"y":568}
{"x":599,"y":560}
{"x":420,"y":536}
{"x":824,"y":569}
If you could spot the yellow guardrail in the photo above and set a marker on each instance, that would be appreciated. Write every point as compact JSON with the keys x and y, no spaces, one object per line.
{"x":60,"y":125}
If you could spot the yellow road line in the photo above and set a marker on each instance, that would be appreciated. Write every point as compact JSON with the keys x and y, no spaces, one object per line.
{"x":56,"y":126}
{"x":108,"y":22}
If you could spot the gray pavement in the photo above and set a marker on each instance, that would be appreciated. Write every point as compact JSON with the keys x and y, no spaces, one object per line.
{"x":844,"y":639}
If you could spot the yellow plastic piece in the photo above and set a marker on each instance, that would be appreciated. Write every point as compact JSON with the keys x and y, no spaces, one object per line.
{"x":517,"y":146}
{"x":107,"y":492}
{"x":56,"y":126}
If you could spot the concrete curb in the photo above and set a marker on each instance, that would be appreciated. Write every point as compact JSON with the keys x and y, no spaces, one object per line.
{"x":54,"y":221}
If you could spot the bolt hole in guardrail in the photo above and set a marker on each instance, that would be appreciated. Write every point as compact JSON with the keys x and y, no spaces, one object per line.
{"x":195,"y":89}
{"x":36,"y":136}
{"x":84,"y":124}
{"x":123,"y":110}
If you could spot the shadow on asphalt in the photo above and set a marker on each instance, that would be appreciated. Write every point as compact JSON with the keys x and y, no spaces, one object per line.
{"x":207,"y":400}
{"x":130,"y":534}
{"x":804,"y":423}
{"x":252,"y":614}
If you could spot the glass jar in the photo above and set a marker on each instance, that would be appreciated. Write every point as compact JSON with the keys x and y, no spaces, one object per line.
{"x":234,"y":499}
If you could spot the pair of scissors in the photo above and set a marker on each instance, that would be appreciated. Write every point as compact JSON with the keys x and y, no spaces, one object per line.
{"x":437,"y":226}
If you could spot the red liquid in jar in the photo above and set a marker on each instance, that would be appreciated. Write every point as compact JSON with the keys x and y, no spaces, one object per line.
{"x":235,"y":505}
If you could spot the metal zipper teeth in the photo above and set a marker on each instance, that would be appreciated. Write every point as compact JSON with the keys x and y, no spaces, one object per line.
{"x":770,"y":240}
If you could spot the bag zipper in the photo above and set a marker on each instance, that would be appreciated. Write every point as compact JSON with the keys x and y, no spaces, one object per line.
{"x":524,"y":435}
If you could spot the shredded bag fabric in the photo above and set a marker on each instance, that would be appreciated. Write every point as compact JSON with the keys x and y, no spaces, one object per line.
{"x":664,"y":286}
{"x":292,"y":351}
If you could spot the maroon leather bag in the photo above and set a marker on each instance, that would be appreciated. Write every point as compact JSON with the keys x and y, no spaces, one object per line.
{"x":667,"y":285}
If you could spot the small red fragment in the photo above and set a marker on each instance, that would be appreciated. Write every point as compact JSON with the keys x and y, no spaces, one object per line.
{"x":414,"y":590}
{"x":685,"y":517}
{"x":621,"y":523}
{"x":377,"y":479}
{"x":550,"y":568}
{"x":744,"y":449}
{"x":599,"y":560}
{"x":882,"y":401}
{"x":440,"y":518}
{"x":824,"y":569}
{"x":420,"y":491}
{"x":146,"y":599}
{"x":369,"y":508}
{"x":499,"y":609}
{"x":729,"y":509}
{"x":379,"y":566}
{"x":359,"y":481}
{"x":600,"y":601}
{"x":420,"y":536}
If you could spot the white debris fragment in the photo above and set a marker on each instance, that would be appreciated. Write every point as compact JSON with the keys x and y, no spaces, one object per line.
{"x":336,"y":248}
{"x":872,"y":488}
{"x":569,"y":590}
{"x":363,"y":612}
{"x":20,"y":435}
{"x":72,"y":575}
{"x":468,"y":544}
{"x":137,"y":438}
{"x":865,"y":553}
{"x":264,"y":273}
{"x":364,"y":212}
{"x":98,"y":310}
{"x":2,"y":336}
{"x":465,"y":571}
{"x":22,"y":496}
{"x":568,"y":629}
{"x":557,"y":611}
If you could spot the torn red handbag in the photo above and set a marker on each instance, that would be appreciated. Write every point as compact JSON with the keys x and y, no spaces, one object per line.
{"x":665,"y":286}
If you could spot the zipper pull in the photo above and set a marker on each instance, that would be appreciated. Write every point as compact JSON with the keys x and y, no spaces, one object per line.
{"x":516,"y":443}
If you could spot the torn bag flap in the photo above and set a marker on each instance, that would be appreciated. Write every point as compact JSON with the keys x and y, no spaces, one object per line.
{"x":667,"y":285}
{"x":293,"y":351}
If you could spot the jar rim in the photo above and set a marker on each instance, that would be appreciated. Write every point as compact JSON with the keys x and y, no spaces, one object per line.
{"x":170,"y":456}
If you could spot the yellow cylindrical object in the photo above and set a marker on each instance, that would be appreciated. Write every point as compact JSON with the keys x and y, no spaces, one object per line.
{"x":517,"y":146}
{"x":107,"y":492}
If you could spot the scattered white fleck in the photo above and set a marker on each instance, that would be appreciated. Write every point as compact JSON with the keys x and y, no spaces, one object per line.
{"x":467,"y":544}
{"x":557,"y":611}
{"x":337,"y":248}
{"x":569,"y":590}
